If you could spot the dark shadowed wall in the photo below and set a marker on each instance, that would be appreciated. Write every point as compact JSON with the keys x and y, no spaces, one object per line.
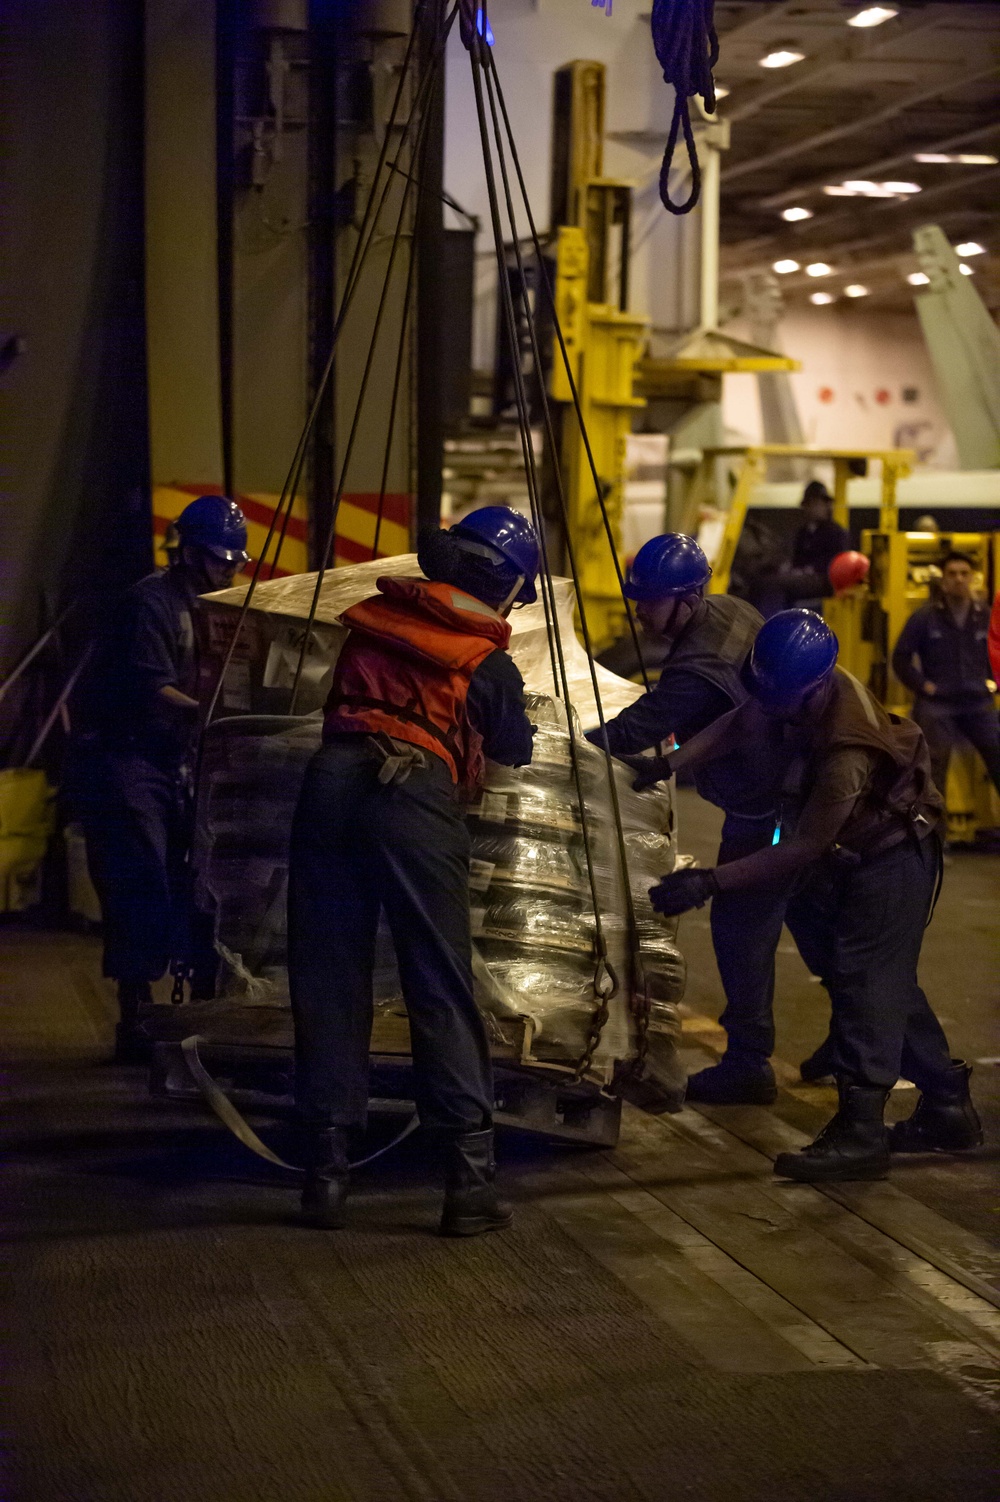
{"x":75,"y":504}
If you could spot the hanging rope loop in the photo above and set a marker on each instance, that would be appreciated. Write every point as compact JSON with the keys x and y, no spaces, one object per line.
{"x":687,"y":50}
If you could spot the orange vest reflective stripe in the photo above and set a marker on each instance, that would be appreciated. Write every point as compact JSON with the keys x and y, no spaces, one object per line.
{"x":406,"y":665}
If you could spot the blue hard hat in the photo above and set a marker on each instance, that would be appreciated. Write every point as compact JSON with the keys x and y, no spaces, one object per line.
{"x":794,"y":652}
{"x":666,"y":567}
{"x":511,"y":536}
{"x":217,"y":524}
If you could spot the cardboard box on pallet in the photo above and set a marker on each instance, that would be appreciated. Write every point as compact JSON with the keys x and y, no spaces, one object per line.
{"x":261,"y":672}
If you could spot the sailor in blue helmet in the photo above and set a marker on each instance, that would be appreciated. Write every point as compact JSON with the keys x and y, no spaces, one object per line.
{"x":708,"y":639}
{"x":423,"y":690}
{"x":135,"y":802}
{"x":858,"y":823}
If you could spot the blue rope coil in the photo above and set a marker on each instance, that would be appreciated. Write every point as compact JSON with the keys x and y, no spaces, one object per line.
{"x":687,"y":50}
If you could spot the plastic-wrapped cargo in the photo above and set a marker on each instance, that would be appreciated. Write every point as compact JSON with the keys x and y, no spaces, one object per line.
{"x":531,"y":893}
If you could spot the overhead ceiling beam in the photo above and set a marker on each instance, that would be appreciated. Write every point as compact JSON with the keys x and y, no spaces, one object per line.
{"x":915,"y":205}
{"x":869,"y":169}
{"x":736,"y":256}
{"x":765,"y":15}
{"x":864,"y":121}
{"x":852,"y":47}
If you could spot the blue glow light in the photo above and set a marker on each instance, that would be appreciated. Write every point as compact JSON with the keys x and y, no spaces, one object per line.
{"x":777,"y":835}
{"x":484,"y":28}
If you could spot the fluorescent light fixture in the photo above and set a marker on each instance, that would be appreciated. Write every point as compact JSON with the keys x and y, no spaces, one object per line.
{"x":786,"y":267}
{"x":821,"y":298}
{"x":957,"y":159}
{"x":965,"y":270}
{"x":861,"y":188}
{"x":794,"y":215}
{"x":873,"y":15}
{"x":970,"y":248}
{"x":854,"y":290}
{"x":918,"y":279}
{"x":781,"y":57}
{"x":819,"y":268}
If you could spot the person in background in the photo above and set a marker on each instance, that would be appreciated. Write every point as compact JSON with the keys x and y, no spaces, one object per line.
{"x":423,"y":690}
{"x":942,"y":657}
{"x":704,"y":642}
{"x":806,"y":578}
{"x":135,"y":767}
{"x":862,"y":846}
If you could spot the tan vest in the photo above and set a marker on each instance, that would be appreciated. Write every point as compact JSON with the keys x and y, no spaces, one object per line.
{"x":902,"y":796}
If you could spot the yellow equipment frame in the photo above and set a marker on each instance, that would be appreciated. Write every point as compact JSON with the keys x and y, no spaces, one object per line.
{"x":896,"y":464}
{"x":868,"y":620}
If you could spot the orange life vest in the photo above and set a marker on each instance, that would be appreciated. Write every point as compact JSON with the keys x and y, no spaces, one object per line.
{"x":406,"y":665}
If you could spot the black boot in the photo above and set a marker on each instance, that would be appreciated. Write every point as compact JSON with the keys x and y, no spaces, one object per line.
{"x":820,"y":1065}
{"x":945,"y":1120}
{"x":324,"y":1192}
{"x":854,"y":1145}
{"x":734,"y":1081}
{"x":132,"y":1044}
{"x":470,"y":1200}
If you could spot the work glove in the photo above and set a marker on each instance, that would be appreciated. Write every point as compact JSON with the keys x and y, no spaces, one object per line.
{"x":683,"y":890}
{"x":650,"y":769}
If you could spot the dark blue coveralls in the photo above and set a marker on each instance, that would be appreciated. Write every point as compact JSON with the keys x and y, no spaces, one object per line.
{"x":132,"y":778}
{"x":954,"y":657}
{"x":700,"y":681}
{"x":359,"y":846}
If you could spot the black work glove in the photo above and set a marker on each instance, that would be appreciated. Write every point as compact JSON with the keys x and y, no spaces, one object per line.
{"x":651,"y":770}
{"x":683,"y":890}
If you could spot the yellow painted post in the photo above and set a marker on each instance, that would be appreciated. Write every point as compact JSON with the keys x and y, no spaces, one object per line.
{"x":750,"y":475}
{"x":604,"y":345}
{"x":841,"y":510}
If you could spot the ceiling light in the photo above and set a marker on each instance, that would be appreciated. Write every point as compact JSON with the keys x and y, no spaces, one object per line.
{"x":784,"y":268}
{"x":861,"y":188}
{"x":821,"y":298}
{"x":854,"y":290}
{"x":965,"y":270}
{"x":918,"y":279}
{"x":970,"y":248}
{"x":794,"y":215}
{"x":781,"y":57}
{"x":958,"y":159}
{"x":819,"y":268}
{"x":874,"y":15}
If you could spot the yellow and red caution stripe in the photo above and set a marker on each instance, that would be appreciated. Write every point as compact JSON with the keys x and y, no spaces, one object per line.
{"x":357,"y":520}
{"x":355,"y":532}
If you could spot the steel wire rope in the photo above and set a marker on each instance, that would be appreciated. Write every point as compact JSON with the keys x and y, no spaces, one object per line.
{"x":396,"y":382}
{"x":327,"y":554}
{"x":605,"y":982}
{"x":545,"y":281}
{"x":363,"y":248}
{"x":360,"y":251}
{"x":639,"y":988}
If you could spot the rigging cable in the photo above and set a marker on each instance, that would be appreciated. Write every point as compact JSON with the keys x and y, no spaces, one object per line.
{"x":327,"y":554}
{"x":546,"y":282}
{"x":605,"y":982}
{"x":638,"y":989}
{"x":360,"y":251}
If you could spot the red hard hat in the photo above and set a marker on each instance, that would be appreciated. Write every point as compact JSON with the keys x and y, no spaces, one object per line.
{"x":848,"y":569}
